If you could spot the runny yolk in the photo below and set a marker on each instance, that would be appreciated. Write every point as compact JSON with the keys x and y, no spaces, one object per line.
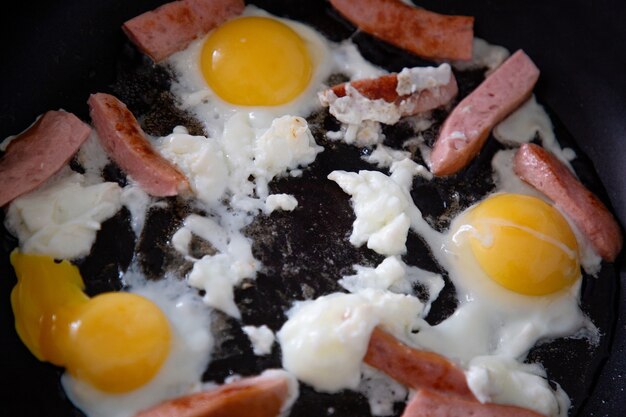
{"x":117,"y":341}
{"x":524,"y":244}
{"x":256,"y":61}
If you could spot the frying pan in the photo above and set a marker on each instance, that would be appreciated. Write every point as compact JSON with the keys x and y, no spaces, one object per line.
{"x":56,"y":53}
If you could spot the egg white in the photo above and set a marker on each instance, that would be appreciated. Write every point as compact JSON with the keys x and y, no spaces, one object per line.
{"x":181,"y":373}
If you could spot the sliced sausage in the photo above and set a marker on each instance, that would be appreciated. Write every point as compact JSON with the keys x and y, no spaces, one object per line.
{"x":415,"y":368}
{"x":172,"y":26}
{"x":546,"y":173}
{"x":429,"y":403}
{"x":39,"y":152}
{"x":466,"y":129}
{"x":262,"y":396}
{"x":407,"y":94}
{"x":383,"y":87}
{"x":125,"y":142}
{"x":424,"y":33}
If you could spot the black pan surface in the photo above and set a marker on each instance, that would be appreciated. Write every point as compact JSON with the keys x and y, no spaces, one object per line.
{"x":56,"y":54}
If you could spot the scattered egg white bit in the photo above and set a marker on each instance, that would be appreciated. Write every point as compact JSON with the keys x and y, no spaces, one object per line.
{"x":394,"y":275}
{"x":181,"y":373}
{"x":353,"y":108}
{"x":62,"y":217}
{"x":285,"y":202}
{"x":262,"y":339}
{"x":383,"y":156}
{"x":217,"y":274}
{"x":367,"y":133}
{"x":382,"y":205}
{"x":202,"y":161}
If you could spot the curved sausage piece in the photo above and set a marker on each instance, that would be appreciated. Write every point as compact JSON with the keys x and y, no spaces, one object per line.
{"x":466,"y":129}
{"x":421,"y":89}
{"x":172,"y":26}
{"x":546,"y":173}
{"x":125,"y":142}
{"x":428,"y":403}
{"x":262,"y":396}
{"x":424,"y":33}
{"x":415,"y":368}
{"x":39,"y":152}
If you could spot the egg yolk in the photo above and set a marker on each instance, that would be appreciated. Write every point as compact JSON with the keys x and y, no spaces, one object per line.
{"x":524,"y":244}
{"x":43,"y":301}
{"x":117,"y":341}
{"x":118,"y":334}
{"x":256,"y":61}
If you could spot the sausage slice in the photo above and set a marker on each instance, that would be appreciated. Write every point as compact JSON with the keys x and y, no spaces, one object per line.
{"x":172,"y":26}
{"x":126,"y":143}
{"x":429,"y":403}
{"x":546,"y":173}
{"x":415,"y":368}
{"x":424,"y":33}
{"x":466,"y":129}
{"x":262,"y":396}
{"x":39,"y":152}
{"x":412,"y":91}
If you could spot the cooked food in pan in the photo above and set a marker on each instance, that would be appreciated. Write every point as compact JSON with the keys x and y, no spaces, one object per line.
{"x":282,"y":227}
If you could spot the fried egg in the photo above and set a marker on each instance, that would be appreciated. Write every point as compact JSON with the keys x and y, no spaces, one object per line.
{"x":122,"y":351}
{"x":513,"y":261}
{"x":258,"y":64}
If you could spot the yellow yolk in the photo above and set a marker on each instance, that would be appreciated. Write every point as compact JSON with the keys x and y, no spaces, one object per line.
{"x":256,"y":61}
{"x":118,"y":334}
{"x":115,"y":341}
{"x":37,"y":298}
{"x":524,"y":244}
